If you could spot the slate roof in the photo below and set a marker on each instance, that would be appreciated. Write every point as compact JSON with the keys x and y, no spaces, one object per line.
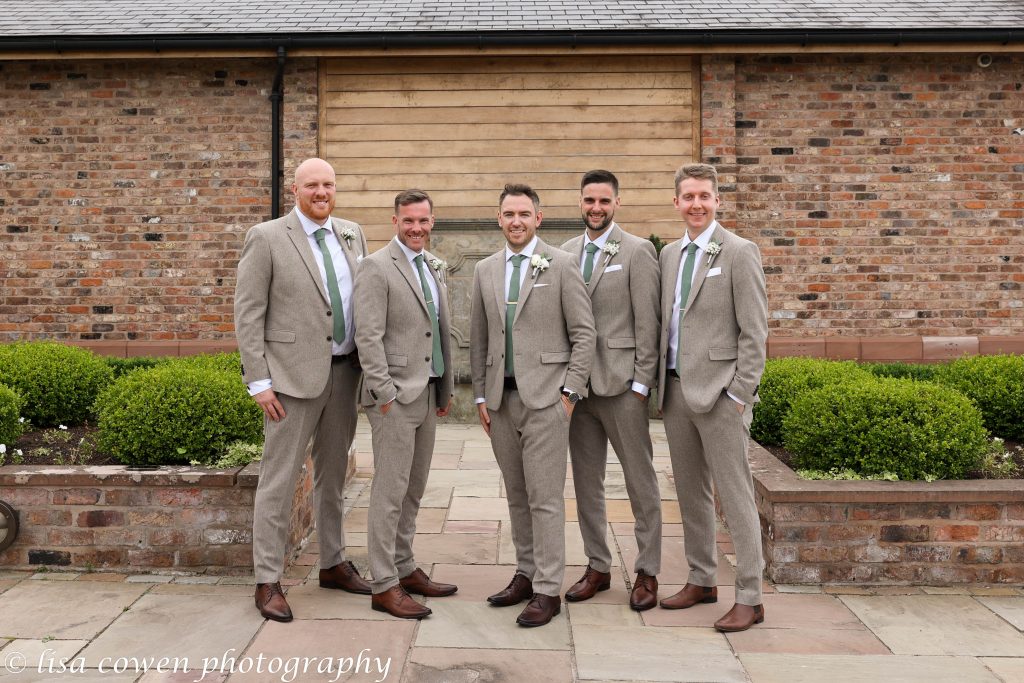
{"x":66,"y":18}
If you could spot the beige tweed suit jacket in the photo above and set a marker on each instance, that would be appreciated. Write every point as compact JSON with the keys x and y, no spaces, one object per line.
{"x":624,"y":290}
{"x":553,"y":334}
{"x":724,"y":325}
{"x":393,"y":329}
{"x":282,"y":310}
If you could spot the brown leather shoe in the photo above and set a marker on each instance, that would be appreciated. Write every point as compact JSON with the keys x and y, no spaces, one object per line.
{"x":740,"y":618}
{"x":344,"y":577}
{"x":691,"y":595}
{"x":541,"y":610}
{"x":271,"y":603}
{"x":396,"y":602}
{"x":420,"y":584}
{"x":519,"y":589}
{"x":645,"y":592}
{"x":588,"y":586}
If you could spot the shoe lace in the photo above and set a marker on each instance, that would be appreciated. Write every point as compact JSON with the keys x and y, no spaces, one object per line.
{"x":274,"y":589}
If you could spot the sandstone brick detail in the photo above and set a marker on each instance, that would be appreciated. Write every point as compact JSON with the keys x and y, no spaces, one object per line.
{"x":101,"y":518}
{"x":76,"y":497}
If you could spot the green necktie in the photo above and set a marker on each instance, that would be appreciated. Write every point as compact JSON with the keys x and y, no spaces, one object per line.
{"x":684,"y":294}
{"x":510,"y":312}
{"x":337,"y":309}
{"x":436,"y":358}
{"x":588,"y":265}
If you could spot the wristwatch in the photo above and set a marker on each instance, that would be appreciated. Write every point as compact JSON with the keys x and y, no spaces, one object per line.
{"x":571,"y":395}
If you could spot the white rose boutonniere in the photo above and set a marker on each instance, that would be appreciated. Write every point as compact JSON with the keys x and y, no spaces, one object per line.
{"x":714,"y":248}
{"x":539,"y":263}
{"x":610,"y":249}
{"x":348,"y":234}
{"x":441,"y":268}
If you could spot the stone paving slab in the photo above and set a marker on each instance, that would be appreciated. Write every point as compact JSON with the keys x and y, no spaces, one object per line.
{"x":787,"y":668}
{"x":807,"y":641}
{"x":39,"y":655}
{"x":455,"y":548}
{"x":465,"y":624}
{"x":445,"y":665}
{"x":1010,"y":609}
{"x":936,"y":625}
{"x":178,"y":626}
{"x":310,"y":601}
{"x":84,"y":609}
{"x":1010,"y":669}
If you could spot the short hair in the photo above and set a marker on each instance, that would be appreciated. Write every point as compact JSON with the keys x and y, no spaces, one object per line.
{"x":600,"y":176}
{"x":698,"y":171}
{"x":407,"y":197}
{"x":520,"y":190}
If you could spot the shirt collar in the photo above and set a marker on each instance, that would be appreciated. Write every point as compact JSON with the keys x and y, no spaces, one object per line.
{"x":409,"y":253}
{"x":527,"y":250}
{"x":602,"y":238}
{"x":702,"y":239}
{"x":309,"y":226}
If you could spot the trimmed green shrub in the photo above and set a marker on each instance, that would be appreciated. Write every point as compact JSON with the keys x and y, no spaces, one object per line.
{"x":174,"y":414}
{"x":122,"y":366}
{"x":11,"y":404}
{"x":996,"y":385}
{"x":59,"y":383}
{"x":922,"y":372}
{"x":228,"y":362}
{"x":916,"y":430}
{"x":786,"y":379}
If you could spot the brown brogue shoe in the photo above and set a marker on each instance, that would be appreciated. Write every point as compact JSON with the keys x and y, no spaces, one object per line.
{"x":691,"y":595}
{"x":420,"y":584}
{"x":541,"y":610}
{"x":588,"y":586}
{"x":344,"y":577}
{"x":645,"y":592}
{"x":396,"y":602}
{"x":740,"y":618}
{"x":519,"y":589}
{"x":271,"y":603}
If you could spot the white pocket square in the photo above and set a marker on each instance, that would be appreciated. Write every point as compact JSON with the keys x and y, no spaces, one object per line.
{"x":538,"y":285}
{"x":617,"y":266}
{"x":359,"y":258}
{"x":713,"y":272}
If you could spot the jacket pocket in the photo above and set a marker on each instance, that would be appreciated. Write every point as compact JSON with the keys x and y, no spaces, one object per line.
{"x":397,"y":360}
{"x":286,"y":336}
{"x":555,"y":357}
{"x":725,"y":353}
{"x":621,"y":343}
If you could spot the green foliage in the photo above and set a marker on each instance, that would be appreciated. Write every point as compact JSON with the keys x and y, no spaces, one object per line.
{"x":11,"y":425}
{"x":239,"y":454}
{"x":227,"y":362}
{"x":175,"y":413}
{"x":996,"y":385}
{"x":922,"y":372}
{"x":836,"y":474}
{"x":59,"y":383}
{"x":998,"y":462}
{"x":786,"y":379}
{"x":658,"y":243}
{"x":122,"y":366}
{"x":915,"y":430}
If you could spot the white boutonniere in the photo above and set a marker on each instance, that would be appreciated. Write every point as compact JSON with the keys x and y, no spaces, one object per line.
{"x":440,"y":267}
{"x":540,"y":263}
{"x":609,"y":249}
{"x":348,"y":234}
{"x":714,"y":248}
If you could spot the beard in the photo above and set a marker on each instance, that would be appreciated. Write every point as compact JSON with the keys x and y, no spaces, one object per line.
{"x":601,"y":226}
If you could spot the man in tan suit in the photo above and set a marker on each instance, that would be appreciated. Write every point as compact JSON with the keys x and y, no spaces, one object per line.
{"x":293,"y":321}
{"x":403,"y":333}
{"x":531,"y":350}
{"x":715,"y":314}
{"x":621,"y":273}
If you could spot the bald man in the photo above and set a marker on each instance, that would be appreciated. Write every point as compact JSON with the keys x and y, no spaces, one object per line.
{"x":294,"y":324}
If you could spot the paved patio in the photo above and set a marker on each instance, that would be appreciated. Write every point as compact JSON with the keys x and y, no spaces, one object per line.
{"x":111,"y":627}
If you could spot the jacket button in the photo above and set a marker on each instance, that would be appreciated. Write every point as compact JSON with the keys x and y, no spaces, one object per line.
{"x":427,"y":359}
{"x":328,"y":339}
{"x":328,"y":313}
{"x":428,"y":334}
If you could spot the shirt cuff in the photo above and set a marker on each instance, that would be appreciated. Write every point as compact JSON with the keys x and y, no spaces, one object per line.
{"x":729,"y":394}
{"x":641,"y":389}
{"x":258,"y":386}
{"x":478,"y":400}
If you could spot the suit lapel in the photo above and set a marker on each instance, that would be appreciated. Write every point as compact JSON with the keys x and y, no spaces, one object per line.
{"x":498,"y":284}
{"x":602,"y":260}
{"x":406,"y":269}
{"x":702,"y":269}
{"x":301,"y":243}
{"x":346,"y":248}
{"x":669,"y":286}
{"x":529,"y":279}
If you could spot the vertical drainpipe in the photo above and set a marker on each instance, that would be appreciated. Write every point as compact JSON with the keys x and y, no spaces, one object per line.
{"x":276,"y":98}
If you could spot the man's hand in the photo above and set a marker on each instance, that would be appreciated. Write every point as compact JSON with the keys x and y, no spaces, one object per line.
{"x":272,"y":408}
{"x":640,"y":397}
{"x":568,"y":405}
{"x":485,"y":418}
{"x":386,"y":407}
{"x":443,"y":412}
{"x":740,"y":407}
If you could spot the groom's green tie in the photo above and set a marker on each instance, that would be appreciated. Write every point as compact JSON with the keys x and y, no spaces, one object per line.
{"x":684,"y":294}
{"x":588,"y":265}
{"x":337,"y":309}
{"x":510,"y":312}
{"x":436,"y":358}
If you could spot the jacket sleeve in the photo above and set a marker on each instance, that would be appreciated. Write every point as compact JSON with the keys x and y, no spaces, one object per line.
{"x":252,"y":294}
{"x":579,"y":324}
{"x":478,"y":330}
{"x":370,"y":295}
{"x":645,"y":291}
{"x":751,"y":304}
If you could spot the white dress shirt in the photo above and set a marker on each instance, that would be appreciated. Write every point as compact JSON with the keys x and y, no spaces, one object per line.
{"x":344,"y":275}
{"x":411,"y":255}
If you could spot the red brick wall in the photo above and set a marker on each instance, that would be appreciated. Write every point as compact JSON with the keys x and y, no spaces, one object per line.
{"x":886,"y":191}
{"x":126,"y":187}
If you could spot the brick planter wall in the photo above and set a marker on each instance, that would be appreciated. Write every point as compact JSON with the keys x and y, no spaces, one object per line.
{"x":922,"y":533}
{"x":176,"y":518}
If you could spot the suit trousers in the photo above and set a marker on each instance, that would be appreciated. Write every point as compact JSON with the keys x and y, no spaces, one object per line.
{"x":706,"y":447}
{"x":530,"y":447}
{"x":330,"y":420}
{"x":403,"y":446}
{"x":624,"y":421}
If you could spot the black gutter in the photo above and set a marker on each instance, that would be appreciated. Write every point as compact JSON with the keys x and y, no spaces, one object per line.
{"x":414,"y":39}
{"x":276,"y":99}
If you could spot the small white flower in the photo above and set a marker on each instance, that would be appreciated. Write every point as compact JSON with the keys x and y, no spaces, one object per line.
{"x":609,"y":249}
{"x":18,"y":452}
{"x":348,"y":234}
{"x":540,"y":263}
{"x":21,"y":419}
{"x":3,"y":448}
{"x":62,"y":427}
{"x":713,"y":250}
{"x":438,"y":265}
